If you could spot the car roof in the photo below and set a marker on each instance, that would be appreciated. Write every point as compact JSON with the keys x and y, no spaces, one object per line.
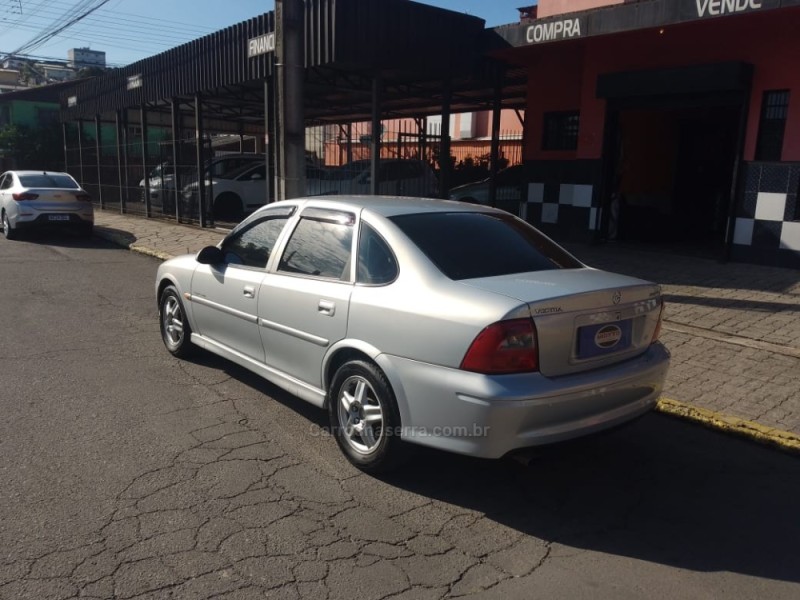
{"x":389,"y":206}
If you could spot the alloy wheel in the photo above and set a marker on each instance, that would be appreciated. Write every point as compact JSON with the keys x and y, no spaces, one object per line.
{"x":360,"y":415}
{"x":172,"y":321}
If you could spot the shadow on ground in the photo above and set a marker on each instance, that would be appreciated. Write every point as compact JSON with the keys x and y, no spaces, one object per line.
{"x":659,"y":490}
{"x":117,"y":236}
{"x":72,"y":239}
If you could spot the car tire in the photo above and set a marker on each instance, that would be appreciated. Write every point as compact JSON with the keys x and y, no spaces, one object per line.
{"x":8,"y":231}
{"x":228,"y":207}
{"x":364,"y":417}
{"x":176,"y":333}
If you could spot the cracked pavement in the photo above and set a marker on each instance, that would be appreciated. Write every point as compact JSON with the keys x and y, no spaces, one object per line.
{"x":126,"y":473}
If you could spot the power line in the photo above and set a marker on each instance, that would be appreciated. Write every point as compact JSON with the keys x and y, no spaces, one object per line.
{"x":104,"y":18}
{"x":80,"y":11}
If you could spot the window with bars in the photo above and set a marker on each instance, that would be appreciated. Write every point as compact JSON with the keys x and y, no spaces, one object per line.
{"x":772,"y":125}
{"x":561,"y":130}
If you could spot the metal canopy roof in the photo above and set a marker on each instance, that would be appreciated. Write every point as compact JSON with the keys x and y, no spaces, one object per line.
{"x":413,"y":48}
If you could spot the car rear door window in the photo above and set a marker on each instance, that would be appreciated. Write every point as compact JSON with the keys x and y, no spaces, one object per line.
{"x":470,"y":245}
{"x":252,"y":246}
{"x":320,"y":245}
{"x":6,"y":182}
{"x":376,"y":264}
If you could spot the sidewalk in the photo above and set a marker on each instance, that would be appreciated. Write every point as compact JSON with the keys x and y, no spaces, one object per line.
{"x":733,"y":329}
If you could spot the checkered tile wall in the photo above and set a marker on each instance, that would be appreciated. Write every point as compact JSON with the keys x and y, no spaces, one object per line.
{"x":768,"y":217}
{"x":565,"y":204}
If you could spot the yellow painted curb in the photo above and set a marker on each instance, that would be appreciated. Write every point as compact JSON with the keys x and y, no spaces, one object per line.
{"x":785,"y":440}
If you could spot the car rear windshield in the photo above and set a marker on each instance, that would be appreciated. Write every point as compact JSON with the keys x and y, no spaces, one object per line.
{"x":472,"y":245}
{"x":48,"y":180}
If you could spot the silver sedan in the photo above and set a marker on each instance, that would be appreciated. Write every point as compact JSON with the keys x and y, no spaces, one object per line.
{"x":431,"y":322}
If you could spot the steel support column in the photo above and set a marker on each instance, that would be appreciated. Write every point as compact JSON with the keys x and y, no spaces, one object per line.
{"x":445,"y":164}
{"x":495,"y":144}
{"x":349,"y":146}
{"x":145,"y":175}
{"x":737,"y":175}
{"x":125,"y":176}
{"x":375,"y":138}
{"x":118,"y":124}
{"x":290,"y":61}
{"x":271,"y":154}
{"x":176,"y":151}
{"x":201,"y":179}
{"x":99,"y":146}
{"x":64,"y":137}
{"x":80,"y":151}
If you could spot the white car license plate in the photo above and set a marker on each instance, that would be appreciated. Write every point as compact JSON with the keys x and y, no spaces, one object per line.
{"x":58,"y":218}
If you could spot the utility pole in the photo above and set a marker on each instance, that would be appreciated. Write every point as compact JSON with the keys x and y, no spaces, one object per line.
{"x":290,"y":72}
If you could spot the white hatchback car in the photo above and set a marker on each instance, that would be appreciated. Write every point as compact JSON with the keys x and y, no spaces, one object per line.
{"x":30,"y":199}
{"x":237,"y":192}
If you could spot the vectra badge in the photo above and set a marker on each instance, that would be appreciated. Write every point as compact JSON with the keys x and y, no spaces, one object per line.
{"x":608,"y":336}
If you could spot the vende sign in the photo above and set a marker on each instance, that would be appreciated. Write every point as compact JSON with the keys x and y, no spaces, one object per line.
{"x":715,"y":8}
{"x":262,"y":44}
{"x":553,"y":30}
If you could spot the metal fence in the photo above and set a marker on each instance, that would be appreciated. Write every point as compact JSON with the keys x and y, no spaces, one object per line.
{"x":157,"y":177}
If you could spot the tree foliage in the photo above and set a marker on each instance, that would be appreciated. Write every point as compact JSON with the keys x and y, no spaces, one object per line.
{"x":33,"y":148}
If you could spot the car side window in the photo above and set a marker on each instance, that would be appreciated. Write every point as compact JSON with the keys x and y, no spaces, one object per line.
{"x":320,"y":245}
{"x":376,"y":263}
{"x":253,"y":246}
{"x":7,"y":182}
{"x":259,"y":172}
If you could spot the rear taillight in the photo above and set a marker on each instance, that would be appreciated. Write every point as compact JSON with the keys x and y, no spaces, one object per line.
{"x":657,"y":331}
{"x":25,"y":196}
{"x":504,"y":347}
{"x":83,"y":197}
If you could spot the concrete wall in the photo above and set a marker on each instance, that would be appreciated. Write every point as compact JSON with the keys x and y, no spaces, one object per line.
{"x":548,"y":8}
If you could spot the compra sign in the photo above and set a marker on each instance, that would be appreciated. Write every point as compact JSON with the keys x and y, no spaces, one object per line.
{"x":551,"y":31}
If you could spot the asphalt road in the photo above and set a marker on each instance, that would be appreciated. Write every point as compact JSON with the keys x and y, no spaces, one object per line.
{"x":127,"y":473}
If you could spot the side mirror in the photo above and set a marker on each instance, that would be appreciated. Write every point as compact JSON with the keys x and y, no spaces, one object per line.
{"x":210,"y":255}
{"x":256,"y":176}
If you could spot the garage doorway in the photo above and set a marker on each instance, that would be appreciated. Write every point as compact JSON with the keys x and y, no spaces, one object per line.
{"x":671,"y":172}
{"x":673,"y":143}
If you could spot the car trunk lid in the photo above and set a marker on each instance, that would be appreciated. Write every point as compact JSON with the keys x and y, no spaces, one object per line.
{"x":585,"y":318}
{"x":55,"y":199}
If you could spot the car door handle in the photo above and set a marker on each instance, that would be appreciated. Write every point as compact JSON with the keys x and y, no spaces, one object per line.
{"x":249,"y":291}
{"x":327,"y":308}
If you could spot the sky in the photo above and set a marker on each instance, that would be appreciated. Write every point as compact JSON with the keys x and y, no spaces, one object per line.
{"x":129,"y":30}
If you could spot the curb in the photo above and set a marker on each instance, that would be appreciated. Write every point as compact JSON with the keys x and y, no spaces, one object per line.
{"x":777,"y":438}
{"x":784,"y":440}
{"x":121,"y":240}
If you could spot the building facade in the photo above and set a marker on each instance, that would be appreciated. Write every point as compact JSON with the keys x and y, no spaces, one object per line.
{"x":85,"y":57}
{"x":668,"y":121}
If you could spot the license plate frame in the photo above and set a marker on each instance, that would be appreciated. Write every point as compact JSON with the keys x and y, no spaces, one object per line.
{"x":601,"y":339}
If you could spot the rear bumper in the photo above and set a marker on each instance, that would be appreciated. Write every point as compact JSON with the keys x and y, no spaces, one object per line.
{"x":63,"y":220}
{"x":488,"y":417}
